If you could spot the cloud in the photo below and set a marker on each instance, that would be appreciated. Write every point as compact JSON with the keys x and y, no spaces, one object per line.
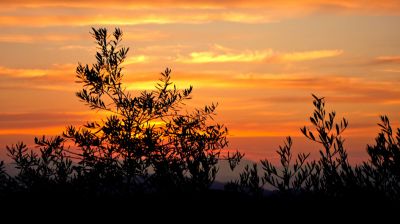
{"x":55,"y":70}
{"x":76,"y":47}
{"x":343,"y":5}
{"x":43,"y":37}
{"x":338,"y":88}
{"x":387,"y":60}
{"x":391,"y":70}
{"x":278,"y":88}
{"x":46,"y":13}
{"x":57,"y":78}
{"x":212,"y":57}
{"x":40,"y":122}
{"x":309,"y":55}
{"x":220,"y":54}
{"x":38,"y":119}
{"x":23,"y":72}
{"x":74,"y":41}
{"x":133,"y":18}
{"x":136,"y":59}
{"x":143,"y":35}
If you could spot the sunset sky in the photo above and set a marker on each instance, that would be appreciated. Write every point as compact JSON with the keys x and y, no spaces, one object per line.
{"x":260,"y":60}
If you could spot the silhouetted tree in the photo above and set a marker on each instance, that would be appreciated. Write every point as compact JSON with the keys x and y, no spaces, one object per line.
{"x":143,"y":133}
{"x":333,"y":173}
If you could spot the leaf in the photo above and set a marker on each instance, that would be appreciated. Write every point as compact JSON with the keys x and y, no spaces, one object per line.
{"x":311,"y":135}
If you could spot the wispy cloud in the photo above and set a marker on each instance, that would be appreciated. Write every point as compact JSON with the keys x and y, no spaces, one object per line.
{"x":23,"y":72}
{"x":58,"y":78}
{"x":40,"y":122}
{"x":309,"y":55}
{"x":47,"y":13}
{"x":43,"y":13}
{"x":43,"y":37}
{"x":137,"y":18}
{"x":220,"y":54}
{"x":40,"y":119}
{"x":76,"y":41}
{"x":55,"y":70}
{"x":136,"y":59}
{"x":301,"y":5}
{"x":282,"y":88}
{"x":70,"y":47}
{"x":213,"y":57}
{"x":391,"y":70}
{"x":387,"y":59}
{"x":144,"y":35}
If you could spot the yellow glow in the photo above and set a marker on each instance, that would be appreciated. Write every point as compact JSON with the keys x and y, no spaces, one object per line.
{"x":23,"y":72}
{"x":142,"y":18}
{"x":212,"y":57}
{"x":56,"y":70}
{"x":136,"y":59}
{"x":309,"y":55}
{"x":221,"y":54}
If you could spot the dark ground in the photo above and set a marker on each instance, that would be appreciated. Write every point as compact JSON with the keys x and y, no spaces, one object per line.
{"x":194,"y":208}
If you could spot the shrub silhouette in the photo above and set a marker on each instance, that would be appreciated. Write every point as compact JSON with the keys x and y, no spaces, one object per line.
{"x":50,"y":170}
{"x":382,"y":172}
{"x":249,"y":182}
{"x":292,"y":178}
{"x":288,"y":181}
{"x":4,"y":179}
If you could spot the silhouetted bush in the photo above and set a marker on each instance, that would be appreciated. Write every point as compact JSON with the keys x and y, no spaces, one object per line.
{"x":382,"y":172}
{"x":50,"y":170}
{"x":333,"y":173}
{"x":249,"y":182}
{"x":3,"y":179}
{"x":292,"y":178}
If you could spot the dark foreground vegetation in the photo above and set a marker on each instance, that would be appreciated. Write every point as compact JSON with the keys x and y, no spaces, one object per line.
{"x":149,"y":148}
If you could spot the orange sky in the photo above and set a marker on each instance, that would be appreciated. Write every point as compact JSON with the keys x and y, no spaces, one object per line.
{"x":260,"y":60}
